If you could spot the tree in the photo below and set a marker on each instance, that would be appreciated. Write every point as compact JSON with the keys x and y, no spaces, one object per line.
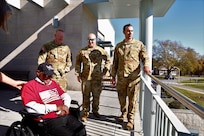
{"x":189,"y":62}
{"x":171,"y":53}
{"x":200,"y":70}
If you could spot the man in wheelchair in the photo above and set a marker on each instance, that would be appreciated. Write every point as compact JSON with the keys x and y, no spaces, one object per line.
{"x":45,"y":97}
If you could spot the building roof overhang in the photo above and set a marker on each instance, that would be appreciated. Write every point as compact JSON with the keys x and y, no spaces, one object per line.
{"x":107,"y":9}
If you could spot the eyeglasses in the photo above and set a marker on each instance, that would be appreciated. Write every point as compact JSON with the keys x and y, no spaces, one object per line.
{"x":91,"y":40}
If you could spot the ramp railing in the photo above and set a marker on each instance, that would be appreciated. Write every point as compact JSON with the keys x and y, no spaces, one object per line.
{"x":156,"y":117}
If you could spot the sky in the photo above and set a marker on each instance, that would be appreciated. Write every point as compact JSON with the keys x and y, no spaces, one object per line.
{"x":183,"y":22}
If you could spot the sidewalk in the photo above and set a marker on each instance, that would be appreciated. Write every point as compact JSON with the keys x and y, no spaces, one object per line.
{"x":106,"y":125}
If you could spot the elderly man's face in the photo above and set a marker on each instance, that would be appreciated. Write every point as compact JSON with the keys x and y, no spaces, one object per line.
{"x":46,"y":79}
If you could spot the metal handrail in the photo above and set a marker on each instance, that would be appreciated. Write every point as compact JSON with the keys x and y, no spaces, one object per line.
{"x":157,"y":119}
{"x":199,"y":110}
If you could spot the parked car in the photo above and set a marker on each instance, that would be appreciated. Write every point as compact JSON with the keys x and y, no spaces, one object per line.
{"x":171,"y":77}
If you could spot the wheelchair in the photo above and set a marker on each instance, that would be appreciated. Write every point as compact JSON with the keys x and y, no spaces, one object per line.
{"x":33,"y":125}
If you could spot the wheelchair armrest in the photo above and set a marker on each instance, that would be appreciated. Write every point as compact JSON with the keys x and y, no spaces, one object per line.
{"x":25,"y":113}
{"x":74,"y":102}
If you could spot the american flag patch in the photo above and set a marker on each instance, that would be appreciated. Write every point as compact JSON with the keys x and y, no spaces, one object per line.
{"x":48,"y":96}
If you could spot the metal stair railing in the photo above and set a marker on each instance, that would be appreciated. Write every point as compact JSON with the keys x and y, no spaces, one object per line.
{"x":157,"y":118}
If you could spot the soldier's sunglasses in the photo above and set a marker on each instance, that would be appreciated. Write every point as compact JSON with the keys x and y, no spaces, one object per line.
{"x":91,"y":40}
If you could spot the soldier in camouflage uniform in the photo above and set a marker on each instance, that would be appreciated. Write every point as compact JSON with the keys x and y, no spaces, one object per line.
{"x":58,"y":54}
{"x":127,"y":56}
{"x":89,"y":70}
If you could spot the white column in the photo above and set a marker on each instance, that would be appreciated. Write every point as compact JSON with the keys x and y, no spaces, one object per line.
{"x":146,"y":36}
{"x":149,"y":39}
{"x":146,"y":27}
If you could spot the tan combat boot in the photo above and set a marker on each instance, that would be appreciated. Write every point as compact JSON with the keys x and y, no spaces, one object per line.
{"x":121,"y":118}
{"x":129,"y":125}
{"x":84,"y":117}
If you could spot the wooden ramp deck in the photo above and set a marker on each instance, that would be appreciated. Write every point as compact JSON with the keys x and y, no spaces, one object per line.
{"x":107,"y":124}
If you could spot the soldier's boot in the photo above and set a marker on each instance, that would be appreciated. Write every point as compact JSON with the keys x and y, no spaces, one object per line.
{"x":129,"y":125}
{"x":84,"y":116}
{"x":121,"y":118}
{"x":96,"y":114}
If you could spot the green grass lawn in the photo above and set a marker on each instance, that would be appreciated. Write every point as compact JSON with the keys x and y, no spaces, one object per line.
{"x":197,"y":80}
{"x":197,"y":97}
{"x":195,"y":85}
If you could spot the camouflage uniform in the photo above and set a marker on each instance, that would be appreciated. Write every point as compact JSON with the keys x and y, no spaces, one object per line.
{"x":90,"y":61}
{"x":60,"y":57}
{"x":126,"y":65}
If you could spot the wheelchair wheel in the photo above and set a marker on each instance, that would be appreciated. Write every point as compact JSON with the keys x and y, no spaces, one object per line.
{"x":18,"y":129}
